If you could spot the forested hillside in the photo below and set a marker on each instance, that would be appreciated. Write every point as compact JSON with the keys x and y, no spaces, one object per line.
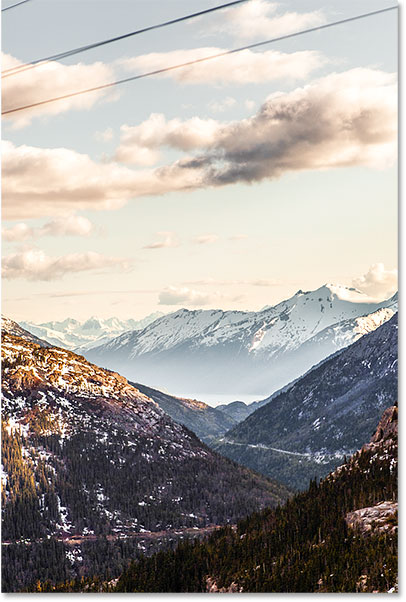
{"x":307,"y":545}
{"x":86,"y":454}
{"x":306,"y":430}
{"x":338,"y":536}
{"x":202,"y":419}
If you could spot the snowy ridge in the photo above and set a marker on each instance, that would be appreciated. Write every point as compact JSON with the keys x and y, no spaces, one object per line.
{"x":322,"y":321}
{"x":10,"y":327}
{"x":75,"y":335}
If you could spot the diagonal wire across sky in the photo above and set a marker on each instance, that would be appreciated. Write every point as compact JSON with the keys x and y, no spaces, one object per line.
{"x":199,"y":60}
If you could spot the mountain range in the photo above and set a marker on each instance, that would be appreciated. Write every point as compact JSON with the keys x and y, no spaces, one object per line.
{"x":209,"y":352}
{"x":91,"y":460}
{"x":205,"y":421}
{"x":82,"y":335}
{"x":307,"y":430}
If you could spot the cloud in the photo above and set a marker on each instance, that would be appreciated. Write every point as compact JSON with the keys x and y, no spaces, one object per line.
{"x":342,"y":120}
{"x":71,"y":225}
{"x":17,"y":233}
{"x":104,"y":136}
{"x":34,"y":264}
{"x":183,"y":295}
{"x":260,"y":19}
{"x":219,"y":106}
{"x":48,"y":81}
{"x":173,"y":295}
{"x":378,"y":282}
{"x":169,"y":240}
{"x":139,"y":144}
{"x":205,"y":239}
{"x":264,"y":282}
{"x":238,"y":237}
{"x":245,"y":67}
{"x":40,"y":182}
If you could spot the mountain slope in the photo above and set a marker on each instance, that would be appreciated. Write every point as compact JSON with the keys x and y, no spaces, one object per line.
{"x":10,"y":327}
{"x":233,"y":352}
{"x":206,"y":422}
{"x":76,"y":335}
{"x":312,"y":544}
{"x":236,"y":410}
{"x":100,"y":456}
{"x":307,"y":430}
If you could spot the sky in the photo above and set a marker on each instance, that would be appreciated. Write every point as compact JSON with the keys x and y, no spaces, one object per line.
{"x":230,"y":184}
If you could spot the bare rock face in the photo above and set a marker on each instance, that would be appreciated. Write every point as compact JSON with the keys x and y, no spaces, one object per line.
{"x":212,"y":587}
{"x":387,"y":429}
{"x":381,"y":517}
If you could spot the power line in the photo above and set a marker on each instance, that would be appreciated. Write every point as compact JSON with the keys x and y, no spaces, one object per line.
{"x":67,"y":53}
{"x":201,"y":60}
{"x":14,"y":5}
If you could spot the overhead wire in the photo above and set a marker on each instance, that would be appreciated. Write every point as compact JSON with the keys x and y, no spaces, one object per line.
{"x":200,"y":60}
{"x":14,"y":5}
{"x":61,"y":55}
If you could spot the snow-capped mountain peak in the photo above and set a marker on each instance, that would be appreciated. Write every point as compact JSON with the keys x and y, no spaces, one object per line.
{"x":345,"y":293}
{"x":253,"y":352}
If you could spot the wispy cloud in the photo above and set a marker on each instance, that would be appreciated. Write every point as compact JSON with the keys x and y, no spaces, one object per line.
{"x":173,"y":295}
{"x":104,"y":136}
{"x":71,"y":225}
{"x":238,"y":237}
{"x":168,"y":240}
{"x":250,"y":104}
{"x":205,"y":239}
{"x":190,"y":297}
{"x":219,"y":106}
{"x":34,"y":264}
{"x":245,"y":67}
{"x":261,"y":19}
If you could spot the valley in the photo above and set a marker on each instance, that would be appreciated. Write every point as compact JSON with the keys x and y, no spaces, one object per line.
{"x":94,"y":464}
{"x":200,"y":316}
{"x":307,"y":430}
